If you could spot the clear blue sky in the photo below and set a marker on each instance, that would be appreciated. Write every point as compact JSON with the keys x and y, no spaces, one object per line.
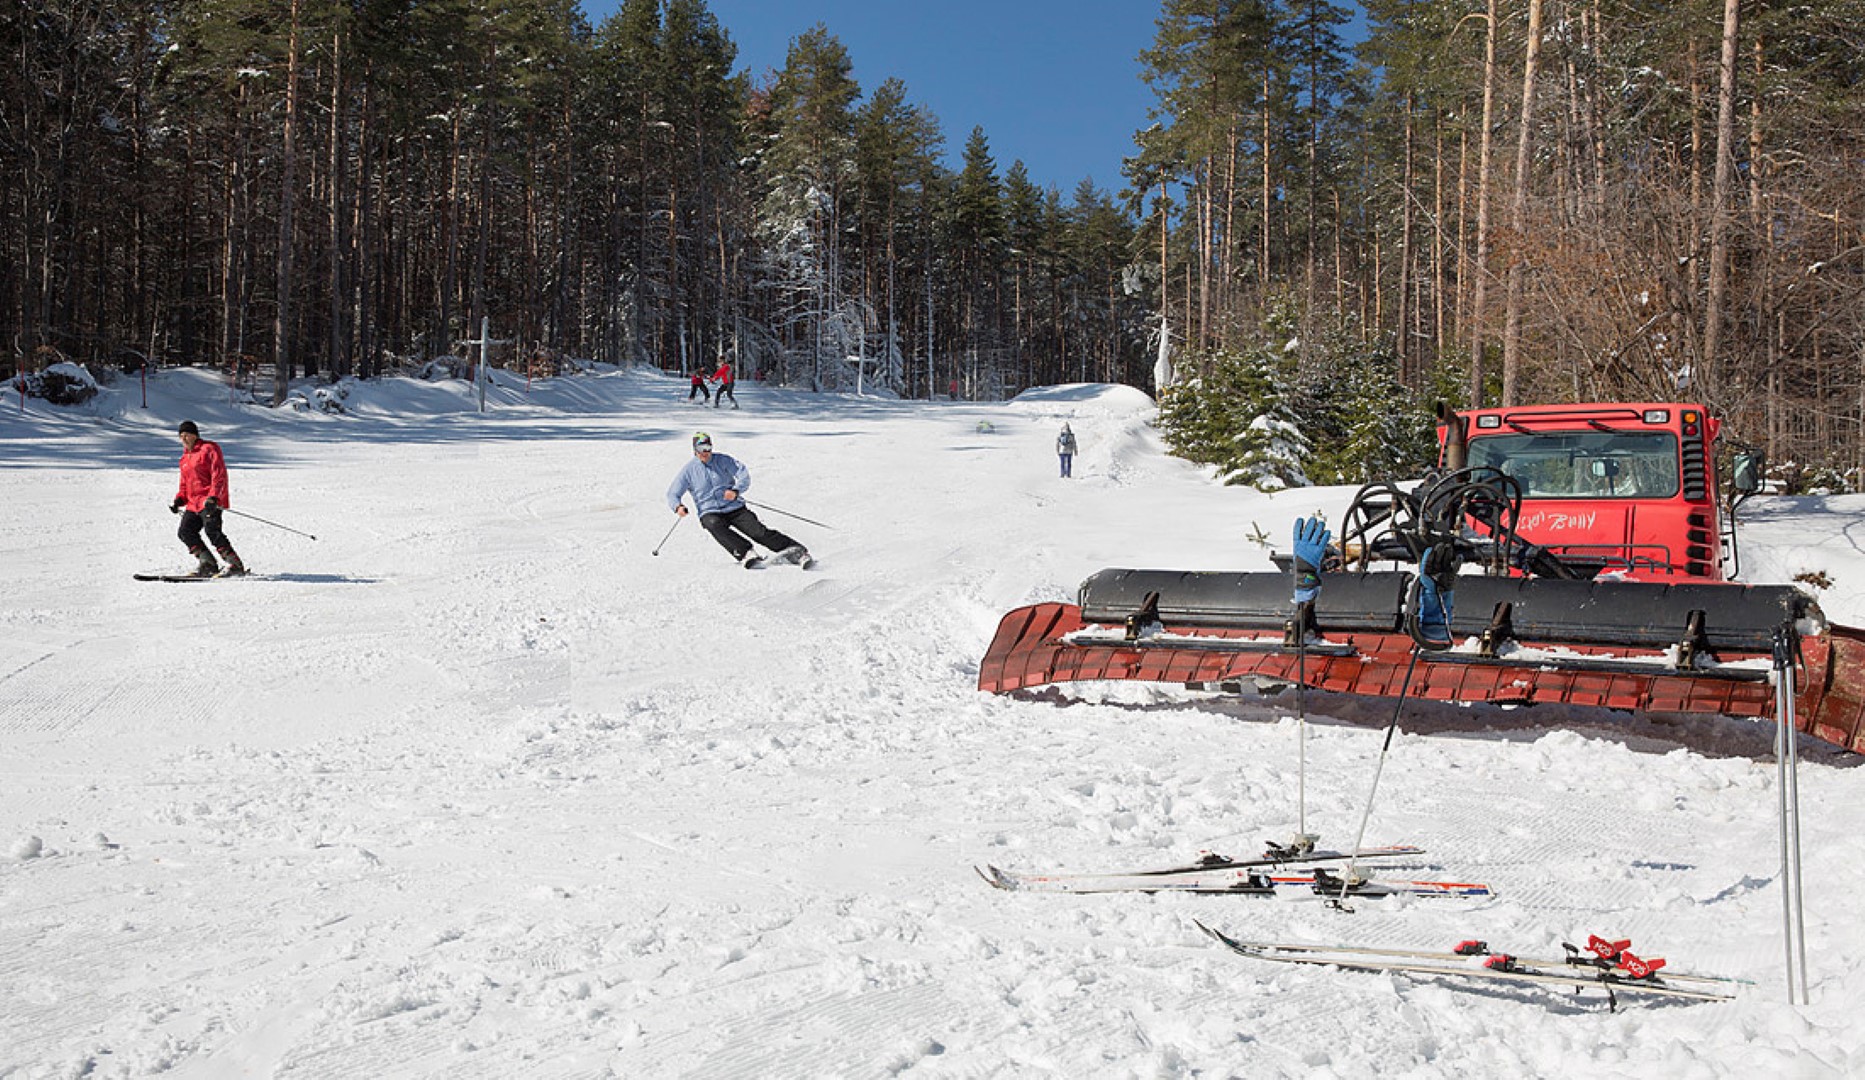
{"x":1052,"y":82}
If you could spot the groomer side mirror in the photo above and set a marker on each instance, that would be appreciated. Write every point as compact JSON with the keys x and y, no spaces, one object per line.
{"x":1749,"y":466}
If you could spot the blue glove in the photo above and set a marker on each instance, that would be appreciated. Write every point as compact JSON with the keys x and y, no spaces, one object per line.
{"x":1311,"y":547}
{"x":1437,"y":575}
{"x":1434,"y":614}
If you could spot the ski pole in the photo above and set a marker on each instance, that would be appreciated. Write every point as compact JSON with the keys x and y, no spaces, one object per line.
{"x":263,"y":521}
{"x":786,"y":513}
{"x":1787,"y":793}
{"x":676,"y":524}
{"x":1339,"y":903}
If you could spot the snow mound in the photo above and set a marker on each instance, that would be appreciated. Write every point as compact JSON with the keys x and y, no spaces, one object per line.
{"x":1084,"y":399}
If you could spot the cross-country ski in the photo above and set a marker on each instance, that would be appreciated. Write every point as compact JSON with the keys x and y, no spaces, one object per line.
{"x":1234,"y":880}
{"x":1485,"y":966}
{"x":1213,"y":872}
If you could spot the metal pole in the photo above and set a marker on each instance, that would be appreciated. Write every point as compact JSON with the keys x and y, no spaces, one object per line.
{"x":1787,"y":792}
{"x":1359,"y":837}
{"x":263,"y":521}
{"x":676,"y":524}
{"x":1301,"y":730}
{"x":485,"y":340}
{"x":786,"y":513}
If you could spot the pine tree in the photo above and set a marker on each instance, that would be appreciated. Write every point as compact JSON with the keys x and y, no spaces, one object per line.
{"x":808,"y":168}
{"x":896,"y":149}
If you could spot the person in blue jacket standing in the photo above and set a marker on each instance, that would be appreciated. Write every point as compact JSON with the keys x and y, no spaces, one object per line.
{"x":1065,"y":450}
{"x":717,"y":483}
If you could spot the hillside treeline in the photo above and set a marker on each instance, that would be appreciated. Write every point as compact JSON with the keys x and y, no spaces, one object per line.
{"x":330,"y":185}
{"x":1339,"y":214}
{"x":1508,"y":201}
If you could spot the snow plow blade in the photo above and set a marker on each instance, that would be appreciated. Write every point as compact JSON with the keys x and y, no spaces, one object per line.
{"x":1632,"y":646}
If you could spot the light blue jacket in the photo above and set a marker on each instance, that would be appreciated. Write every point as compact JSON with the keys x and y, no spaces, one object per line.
{"x":707,"y":484}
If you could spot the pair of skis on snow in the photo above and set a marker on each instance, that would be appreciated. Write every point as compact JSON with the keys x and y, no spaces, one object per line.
{"x":1277,"y":868}
{"x":795,"y":555}
{"x":1601,"y":965}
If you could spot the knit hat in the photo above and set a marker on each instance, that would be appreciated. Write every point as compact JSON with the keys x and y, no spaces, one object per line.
{"x":188,"y":428}
{"x":702,"y":441}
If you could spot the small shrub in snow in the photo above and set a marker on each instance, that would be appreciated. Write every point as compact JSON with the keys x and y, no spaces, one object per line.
{"x":63,"y":383}
{"x":446,"y":367}
{"x":1814,"y":579}
{"x":330,"y":399}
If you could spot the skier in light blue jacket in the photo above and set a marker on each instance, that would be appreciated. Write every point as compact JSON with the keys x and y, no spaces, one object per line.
{"x":717,"y":483}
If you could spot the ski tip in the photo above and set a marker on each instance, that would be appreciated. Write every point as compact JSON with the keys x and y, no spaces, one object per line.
{"x":1214,"y":934}
{"x":995,"y":878}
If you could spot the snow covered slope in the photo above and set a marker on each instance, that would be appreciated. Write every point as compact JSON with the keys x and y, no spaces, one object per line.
{"x":474,"y":786}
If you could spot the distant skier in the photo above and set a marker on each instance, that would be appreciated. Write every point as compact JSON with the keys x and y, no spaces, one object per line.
{"x":717,"y":483}
{"x":200,"y":500}
{"x":724,"y":378}
{"x":700,"y":387}
{"x":1065,"y":450}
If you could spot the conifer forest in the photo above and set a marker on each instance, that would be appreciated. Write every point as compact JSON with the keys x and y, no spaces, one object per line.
{"x":1337,"y":216}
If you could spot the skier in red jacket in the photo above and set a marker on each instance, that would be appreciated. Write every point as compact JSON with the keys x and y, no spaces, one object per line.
{"x":723,"y":377}
{"x":200,"y":500}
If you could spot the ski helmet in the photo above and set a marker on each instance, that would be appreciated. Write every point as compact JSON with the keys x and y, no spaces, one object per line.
{"x":702,"y":441}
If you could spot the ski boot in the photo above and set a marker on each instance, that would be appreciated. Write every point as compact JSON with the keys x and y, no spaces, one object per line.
{"x":206,"y":566}
{"x":234,"y":568}
{"x":751,"y":560}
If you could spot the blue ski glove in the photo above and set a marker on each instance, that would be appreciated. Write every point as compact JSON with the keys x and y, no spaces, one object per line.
{"x":1437,"y":575}
{"x":1311,"y":547}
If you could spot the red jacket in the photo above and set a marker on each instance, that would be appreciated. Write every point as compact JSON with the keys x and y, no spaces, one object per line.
{"x":724,"y":374}
{"x":203,"y":474}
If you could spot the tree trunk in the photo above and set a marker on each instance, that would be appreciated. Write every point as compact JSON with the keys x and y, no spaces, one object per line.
{"x":1480,"y":272}
{"x":1721,"y":193}
{"x":1266,"y":196}
{"x":288,"y":179}
{"x":1402,"y":336}
{"x":1518,"y":213}
{"x":339,"y":340}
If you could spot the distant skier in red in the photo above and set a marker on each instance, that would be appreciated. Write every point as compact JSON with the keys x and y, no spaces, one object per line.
{"x":723,"y":377}
{"x":200,"y":500}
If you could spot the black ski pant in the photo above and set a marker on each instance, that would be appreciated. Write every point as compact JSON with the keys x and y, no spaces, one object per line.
{"x":700,"y":388}
{"x":725,"y":528}
{"x":193,"y":523}
{"x":725,"y":391}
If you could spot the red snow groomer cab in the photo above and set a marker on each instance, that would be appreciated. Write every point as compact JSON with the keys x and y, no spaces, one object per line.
{"x":1626,"y":490}
{"x":1578,"y":554}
